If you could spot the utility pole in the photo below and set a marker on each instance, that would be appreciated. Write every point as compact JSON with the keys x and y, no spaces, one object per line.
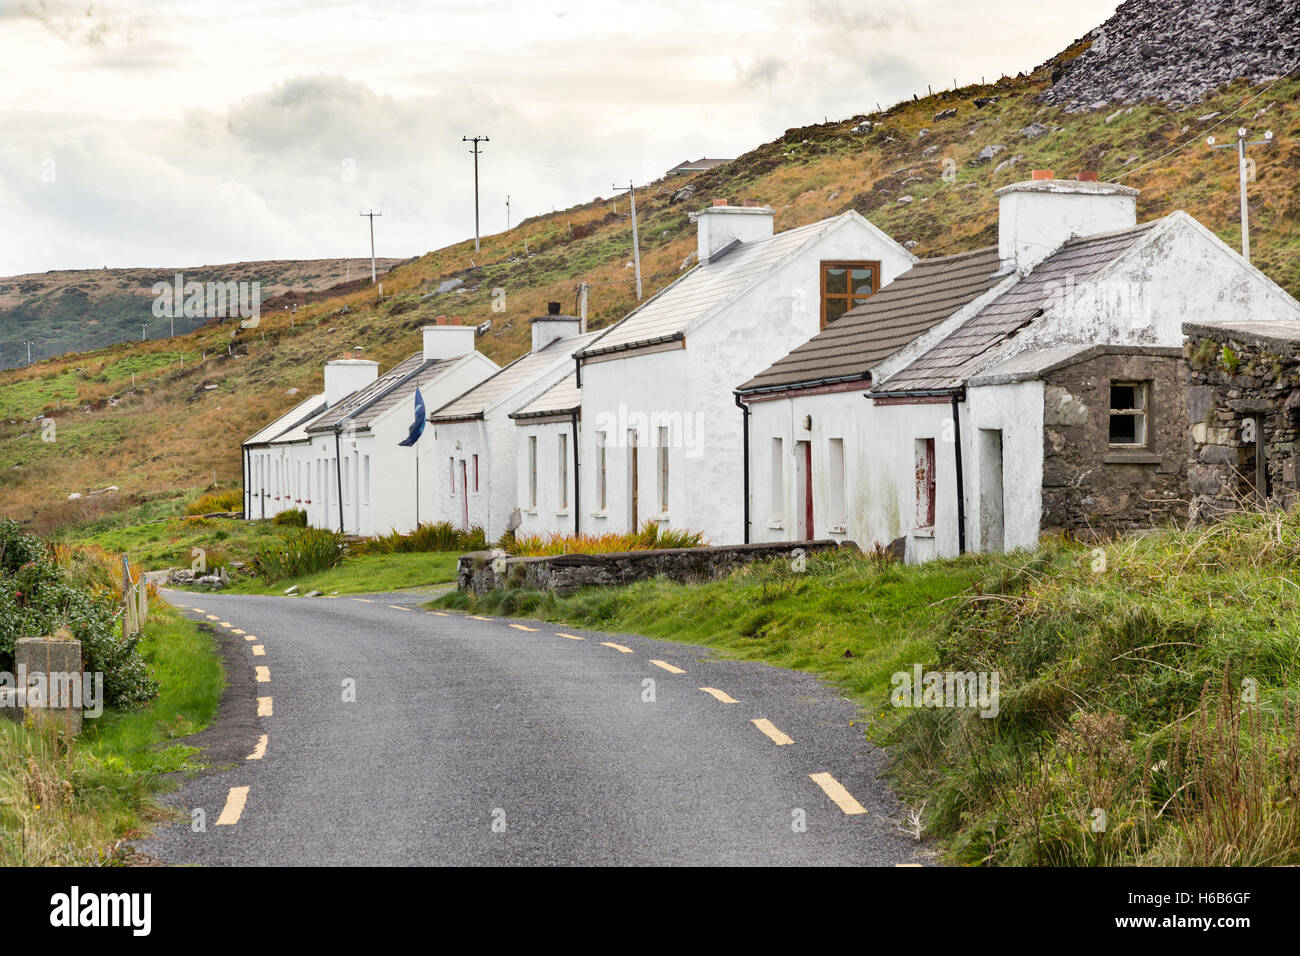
{"x":507,"y":212}
{"x":29,"y":351}
{"x":636,"y":245}
{"x":143,"y":327}
{"x":475,"y":140}
{"x":1243,"y":177}
{"x":371,"y":215}
{"x":582,"y":308}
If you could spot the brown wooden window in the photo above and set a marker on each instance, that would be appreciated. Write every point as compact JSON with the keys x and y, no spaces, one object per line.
{"x":925,"y":490}
{"x":845,"y":285}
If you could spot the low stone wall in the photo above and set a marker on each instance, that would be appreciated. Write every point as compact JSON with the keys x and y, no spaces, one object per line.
{"x":482,"y":571}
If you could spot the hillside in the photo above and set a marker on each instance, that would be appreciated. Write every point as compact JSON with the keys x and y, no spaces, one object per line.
{"x":921,"y":173}
{"x":74,"y":310}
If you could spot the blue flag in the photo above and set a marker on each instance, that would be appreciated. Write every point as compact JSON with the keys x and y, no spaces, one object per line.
{"x":417,"y":426}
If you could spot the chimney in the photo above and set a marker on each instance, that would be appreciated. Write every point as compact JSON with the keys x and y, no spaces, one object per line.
{"x":1036,"y":217}
{"x":447,"y":341}
{"x":720,"y":224}
{"x":345,"y":376}
{"x":552,"y":326}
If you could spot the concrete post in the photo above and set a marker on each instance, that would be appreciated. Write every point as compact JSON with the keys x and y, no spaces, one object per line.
{"x":51,"y":670}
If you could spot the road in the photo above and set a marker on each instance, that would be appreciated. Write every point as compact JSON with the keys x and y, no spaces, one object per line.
{"x":362,"y":730}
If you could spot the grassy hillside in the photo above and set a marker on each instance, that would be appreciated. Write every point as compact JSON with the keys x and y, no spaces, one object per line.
{"x":77,"y":309}
{"x":171,"y":434}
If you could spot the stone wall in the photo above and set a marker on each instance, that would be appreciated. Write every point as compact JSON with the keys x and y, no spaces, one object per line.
{"x":1090,"y":486}
{"x":1238,"y":384}
{"x":478,"y":572}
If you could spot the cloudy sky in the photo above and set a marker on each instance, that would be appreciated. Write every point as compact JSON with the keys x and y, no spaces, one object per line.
{"x":184,"y":133}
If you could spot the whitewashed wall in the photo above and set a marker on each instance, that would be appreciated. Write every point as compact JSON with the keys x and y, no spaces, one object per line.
{"x":555,"y":510}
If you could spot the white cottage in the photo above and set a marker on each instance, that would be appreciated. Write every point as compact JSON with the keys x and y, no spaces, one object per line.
{"x":371,"y":483}
{"x":661,"y":437}
{"x":546,"y":460}
{"x":1047,"y":393}
{"x":278,"y":474}
{"x":476,"y":440}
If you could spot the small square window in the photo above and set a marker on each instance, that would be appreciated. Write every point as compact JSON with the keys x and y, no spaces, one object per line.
{"x":1128,"y":414}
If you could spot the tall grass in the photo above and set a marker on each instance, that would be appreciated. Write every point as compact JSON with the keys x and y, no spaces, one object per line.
{"x":306,"y":552}
{"x":650,"y":537}
{"x":442,"y":536}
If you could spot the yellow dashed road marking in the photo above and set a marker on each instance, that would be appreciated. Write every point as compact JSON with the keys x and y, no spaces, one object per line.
{"x":477,"y":617}
{"x":235,"y":801}
{"x":364,"y":600}
{"x":259,"y":650}
{"x":668,"y":667}
{"x":398,"y":607}
{"x":198,"y":610}
{"x":213,"y":617}
{"x":766,"y":726}
{"x":617,"y":647}
{"x":226,"y":624}
{"x":236,"y":631}
{"x":835,"y":790}
{"x":572,"y":637}
{"x":260,"y":750}
{"x":719,"y":695}
{"x":521,"y":627}
{"x":263,"y":674}
{"x":439,"y":613}
{"x":264,"y":707}
{"x":250,"y":637}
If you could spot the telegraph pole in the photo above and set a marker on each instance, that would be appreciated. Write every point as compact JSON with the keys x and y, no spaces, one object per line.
{"x":636,"y":245}
{"x":507,"y":212}
{"x":29,"y":351}
{"x":475,"y":140}
{"x":371,"y":215}
{"x":1243,"y":177}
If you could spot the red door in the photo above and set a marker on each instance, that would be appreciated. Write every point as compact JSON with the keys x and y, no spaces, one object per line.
{"x":464,"y":495}
{"x":807,"y":488}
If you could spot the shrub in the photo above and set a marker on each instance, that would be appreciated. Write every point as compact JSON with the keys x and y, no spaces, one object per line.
{"x":442,"y":536}
{"x":232,"y":500}
{"x":306,"y":552}
{"x":293,"y":518}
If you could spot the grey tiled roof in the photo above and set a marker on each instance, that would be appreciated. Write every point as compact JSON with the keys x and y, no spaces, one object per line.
{"x":948,"y":363}
{"x":295,"y":417}
{"x":916,"y":301}
{"x":515,"y":376}
{"x":365,"y":405}
{"x":708,"y":286}
{"x":559,"y":399}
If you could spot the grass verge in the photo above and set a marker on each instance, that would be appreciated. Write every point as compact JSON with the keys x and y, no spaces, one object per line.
{"x":363,"y":574}
{"x":75,"y":804}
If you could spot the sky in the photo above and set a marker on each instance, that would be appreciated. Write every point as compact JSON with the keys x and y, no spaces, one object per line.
{"x":158,"y":134}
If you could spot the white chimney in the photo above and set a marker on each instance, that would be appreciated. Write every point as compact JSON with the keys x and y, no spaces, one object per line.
{"x":1036,"y":216}
{"x":720,"y":224}
{"x":447,"y":341}
{"x":553,"y":326}
{"x":345,"y":376}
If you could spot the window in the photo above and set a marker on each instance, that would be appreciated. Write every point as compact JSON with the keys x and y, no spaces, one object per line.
{"x":532,"y":471}
{"x":836,"y":505}
{"x":476,"y":474}
{"x":365,"y":479}
{"x":778,"y":481}
{"x":845,"y":285}
{"x":600,"y":471}
{"x":564,"y":472}
{"x":1128,"y":414}
{"x":925,"y":482}
{"x":663,"y":470}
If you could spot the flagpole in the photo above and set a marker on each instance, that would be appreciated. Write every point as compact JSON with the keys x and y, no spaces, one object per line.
{"x":417,"y":486}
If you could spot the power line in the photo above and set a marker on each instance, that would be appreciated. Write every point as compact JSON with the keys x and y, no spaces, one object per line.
{"x":1242,"y":177}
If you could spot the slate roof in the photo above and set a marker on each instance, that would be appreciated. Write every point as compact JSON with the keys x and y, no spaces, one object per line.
{"x":948,"y":363}
{"x":1033,"y":364}
{"x":365,"y":405}
{"x":510,"y":379}
{"x":707,"y":287}
{"x":913,"y":303}
{"x":295,"y":417}
{"x":561,"y":399}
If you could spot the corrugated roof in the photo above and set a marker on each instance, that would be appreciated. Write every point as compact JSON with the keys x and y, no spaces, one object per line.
{"x":303,"y":412}
{"x":705,"y":288}
{"x":916,"y":301}
{"x":559,"y":399}
{"x":364,"y":406}
{"x":511,"y":379}
{"x":949,"y":362}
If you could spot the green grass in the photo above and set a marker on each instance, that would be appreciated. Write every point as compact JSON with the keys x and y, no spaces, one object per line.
{"x":363,"y":574}
{"x":74,"y":805}
{"x":170,"y":544}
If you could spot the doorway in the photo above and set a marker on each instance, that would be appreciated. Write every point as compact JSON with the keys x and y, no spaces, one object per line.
{"x":803,"y":491}
{"x":992,"y":502}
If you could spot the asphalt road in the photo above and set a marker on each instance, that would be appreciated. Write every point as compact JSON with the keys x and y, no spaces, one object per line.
{"x":501,"y":742}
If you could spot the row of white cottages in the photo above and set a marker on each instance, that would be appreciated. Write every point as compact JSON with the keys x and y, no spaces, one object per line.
{"x":820,"y":382}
